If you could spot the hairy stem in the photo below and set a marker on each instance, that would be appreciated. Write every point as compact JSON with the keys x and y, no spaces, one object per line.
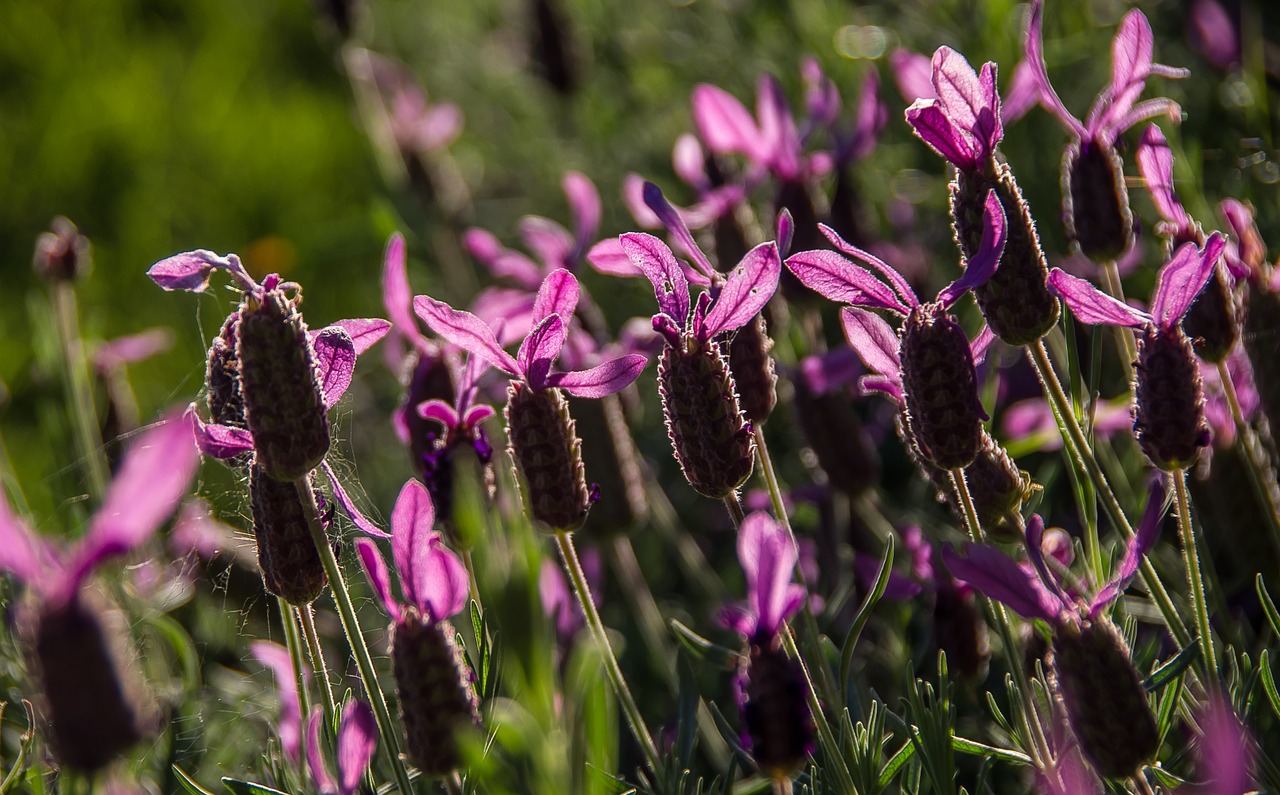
{"x":307,"y":618}
{"x":294,"y":645}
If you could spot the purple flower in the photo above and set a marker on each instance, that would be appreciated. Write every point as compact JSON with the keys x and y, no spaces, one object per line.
{"x":1032,"y":424}
{"x":962,"y":123}
{"x":768,"y":555}
{"x":413,"y":124}
{"x":1155,"y":163}
{"x":1226,"y":755}
{"x":557,"y":597}
{"x":152,"y":480}
{"x":770,"y":141}
{"x":730,"y":302}
{"x":357,"y":741}
{"x":432,"y":578}
{"x":112,"y":356}
{"x":552,"y":310}
{"x":1116,"y":108}
{"x":1246,"y":254}
{"x":277,"y":658}
{"x":1214,"y":33}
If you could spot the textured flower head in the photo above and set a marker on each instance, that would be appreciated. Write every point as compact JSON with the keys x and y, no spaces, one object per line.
{"x":729,"y":303}
{"x":1116,"y":108}
{"x":357,"y":742}
{"x":962,"y":122}
{"x":432,"y":578}
{"x":153,"y":478}
{"x":768,"y":555}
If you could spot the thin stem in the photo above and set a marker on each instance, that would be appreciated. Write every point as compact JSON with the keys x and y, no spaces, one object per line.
{"x":1191,"y":560}
{"x":355,"y":637}
{"x":733,"y":504}
{"x":307,"y":618}
{"x":294,"y":645}
{"x":583,"y":591}
{"x":1246,"y":446}
{"x":84,"y":415}
{"x":1124,"y":340}
{"x":1078,"y":446}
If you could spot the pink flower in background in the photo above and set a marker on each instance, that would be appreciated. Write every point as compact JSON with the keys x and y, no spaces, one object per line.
{"x":357,"y":742}
{"x":276,"y":658}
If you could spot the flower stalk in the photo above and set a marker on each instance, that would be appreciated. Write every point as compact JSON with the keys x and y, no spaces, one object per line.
{"x":294,"y":645}
{"x":84,"y":415}
{"x":1191,"y":561}
{"x":306,"y":617}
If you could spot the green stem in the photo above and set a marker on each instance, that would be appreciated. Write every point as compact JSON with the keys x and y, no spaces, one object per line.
{"x":469,"y":563}
{"x":294,"y":644}
{"x":84,"y":415}
{"x":1191,"y":560}
{"x":1124,"y":340}
{"x":583,"y":591}
{"x":1247,"y":446}
{"x":1078,"y":446}
{"x":828,"y":737}
{"x":355,"y":637}
{"x":307,"y":618}
{"x":733,"y":504}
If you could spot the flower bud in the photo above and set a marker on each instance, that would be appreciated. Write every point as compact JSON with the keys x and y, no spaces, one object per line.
{"x":546,"y":449}
{"x":437,"y":698}
{"x":284,"y":408}
{"x":752,"y":369}
{"x":1212,"y":321}
{"x":1015,"y":301}
{"x":940,"y":390}
{"x":1095,"y":201}
{"x":711,"y":438}
{"x":1106,"y":705}
{"x":287,"y":555}
{"x":775,"y":716}
{"x":1168,"y":399}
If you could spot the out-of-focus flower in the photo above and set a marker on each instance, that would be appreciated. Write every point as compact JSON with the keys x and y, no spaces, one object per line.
{"x":62,"y":253}
{"x":1213,"y":33}
{"x":357,"y":742}
{"x":276,"y":658}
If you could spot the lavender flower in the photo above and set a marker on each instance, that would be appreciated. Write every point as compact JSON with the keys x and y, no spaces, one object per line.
{"x":434,"y":684}
{"x":357,"y":741}
{"x":1092,"y":673}
{"x":62,"y":253}
{"x":777,"y":724}
{"x":937,"y":380}
{"x":1096,"y":204}
{"x":85,"y":690}
{"x":289,"y":726}
{"x":1168,"y":401}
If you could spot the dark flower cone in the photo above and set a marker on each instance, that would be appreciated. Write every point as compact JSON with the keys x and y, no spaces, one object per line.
{"x":775,"y":716}
{"x":961,"y":632}
{"x":1262,"y":344}
{"x":1015,"y":301}
{"x":1213,"y":321}
{"x":752,"y":369}
{"x":612,"y":463}
{"x":1106,"y":705}
{"x":835,"y":434}
{"x":940,"y":389}
{"x":1095,"y":201}
{"x":1168,"y":399}
{"x":222,"y":380}
{"x":434,"y":684}
{"x":998,"y":489}
{"x":548,"y":453}
{"x":287,"y":555}
{"x":711,"y":438}
{"x":278,"y":381}
{"x":92,"y":719}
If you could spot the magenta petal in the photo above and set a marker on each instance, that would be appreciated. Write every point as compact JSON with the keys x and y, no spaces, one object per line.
{"x":1000,"y":577}
{"x":604,"y":379}
{"x":836,"y":278}
{"x":375,"y":568}
{"x":768,"y":556}
{"x":442,"y":584}
{"x":335,"y":363}
{"x":1035,"y":553}
{"x":501,"y":261}
{"x":1131,"y":52}
{"x":558,"y":295}
{"x":349,"y":507}
{"x":980,"y":344}
{"x":896,"y":280}
{"x":676,"y":225}
{"x":133,"y":348}
{"x":1035,"y":61}
{"x":689,"y":160}
{"x":652,"y":258}
{"x":219,"y":441}
{"x":633,"y":197}
{"x":476,"y":415}
{"x":745,"y":292}
{"x":979,"y":269}
{"x":439,"y":411}
{"x":357,"y":740}
{"x":932,"y":126}
{"x":190,"y":270}
{"x":873,"y":340}
{"x":913,"y":74}
{"x":584,"y":204}
{"x":724,"y":123}
{"x":1155,"y":163}
{"x":156,"y":473}
{"x":412,"y":520}
{"x":548,"y":240}
{"x":466,"y":331}
{"x":969,"y":101}
{"x":1182,"y":279}
{"x":325,"y":784}
{"x":738,"y":618}
{"x":397,"y":298}
{"x":540,"y":349}
{"x":22,"y":554}
{"x":1140,"y":543}
{"x":276,"y":658}
{"x":1022,"y":94}
{"x":608,"y":258}
{"x":1091,"y":305}
{"x":779,"y":143}
{"x":365,"y":332}
{"x":784,"y":231}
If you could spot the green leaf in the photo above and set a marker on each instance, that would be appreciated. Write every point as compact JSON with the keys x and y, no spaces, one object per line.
{"x":975,"y":748}
{"x":189,"y":783}
{"x":1268,"y":606}
{"x":701,"y":648}
{"x":895,"y":764}
{"x":863,"y":615}
{"x":1268,"y":681}
{"x":1164,"y":778}
{"x":1168,"y":707}
{"x":239,"y":787}
{"x":687,"y":702}
{"x":1172,"y":669}
{"x":183,"y":649}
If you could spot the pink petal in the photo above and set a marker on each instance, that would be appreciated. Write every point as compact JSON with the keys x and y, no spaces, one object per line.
{"x":676,"y":225}
{"x":412,"y":522}
{"x":998,"y":576}
{"x":724,"y":124}
{"x":896,"y":280}
{"x":22,"y":554}
{"x":364,"y":332}
{"x":349,"y":507}
{"x":873,"y":115}
{"x":745,"y":292}
{"x":156,"y":473}
{"x":652,"y":258}
{"x":601,"y":380}
{"x":133,"y":348}
{"x":980,"y":344}
{"x":633,"y":197}
{"x":1182,"y":279}
{"x":276,"y":658}
{"x":821,"y":97}
{"x":375,"y":568}
{"x":1091,"y":305}
{"x":219,"y":441}
{"x":1140,"y":543}
{"x":784,"y":231}
{"x":1022,"y":94}
{"x":584,"y":204}
{"x":1035,"y":545}
{"x":357,"y":741}
{"x":500,"y":261}
{"x":768,"y":556}
{"x":1226,"y":755}
{"x":873,"y":340}
{"x":397,"y":298}
{"x":1131,"y":52}
{"x":930,"y":123}
{"x":315,"y":756}
{"x":979,"y":269}
{"x":442,"y":584}
{"x":608,"y":258}
{"x":836,"y":278}
{"x":689,"y":161}
{"x":506,"y":310}
{"x":464,"y":330}
{"x":335,"y":363}
{"x":190,"y":270}
{"x":1035,"y":60}
{"x":1213,"y":33}
{"x":959,"y":93}
{"x":558,"y":295}
{"x":913,"y":73}
{"x":540,"y":349}
{"x":548,"y":240}
{"x":1155,"y":163}
{"x":779,"y":142}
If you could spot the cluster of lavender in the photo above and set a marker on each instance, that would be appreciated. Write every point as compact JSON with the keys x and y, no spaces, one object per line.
{"x":1093,"y":701}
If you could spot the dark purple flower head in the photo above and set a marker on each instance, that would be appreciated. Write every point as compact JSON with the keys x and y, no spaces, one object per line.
{"x":768,"y":555}
{"x":277,"y":658}
{"x":1038,"y":591}
{"x":962,"y":122}
{"x":730,"y":302}
{"x":1116,"y":108}
{"x":432,"y":578}
{"x":552,"y":310}
{"x":357,"y":742}
{"x":151,"y":481}
{"x":461,"y":422}
{"x":1177,"y":285}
